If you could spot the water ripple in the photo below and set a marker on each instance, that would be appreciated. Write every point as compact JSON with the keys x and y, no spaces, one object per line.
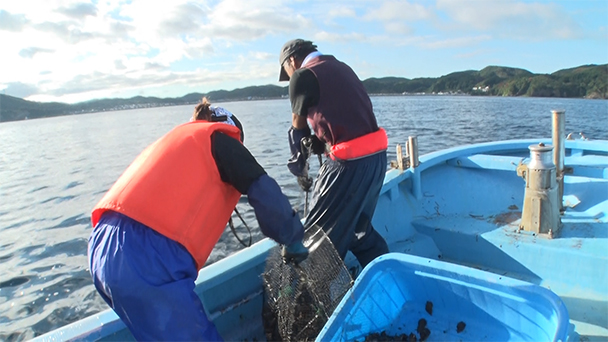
{"x":45,"y":264}
{"x":58,"y":199}
{"x":38,"y":189}
{"x":6,"y":257}
{"x":14,"y":282}
{"x":73,"y":184}
{"x":20,"y":224}
{"x":72,"y":221}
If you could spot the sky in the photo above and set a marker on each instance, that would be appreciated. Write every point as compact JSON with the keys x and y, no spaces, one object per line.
{"x":73,"y":51}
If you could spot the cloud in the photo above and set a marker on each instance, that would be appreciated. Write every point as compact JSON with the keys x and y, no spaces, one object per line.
{"x":19,"y":89}
{"x":454,"y":42}
{"x":400,"y":11}
{"x":66,"y":31}
{"x":398,"y":17}
{"x":119,"y":65}
{"x":511,"y":19}
{"x":341,"y":38}
{"x":79,"y":10}
{"x":63,"y":47}
{"x":398,"y":28}
{"x":262,"y":56}
{"x":96,"y":81}
{"x":184,"y":19}
{"x":342,"y":12}
{"x":199,"y":48}
{"x":12,"y":23}
{"x":92,"y":49}
{"x":242,"y":21}
{"x":32,"y":51}
{"x":474,"y":53}
{"x":119,"y":30}
{"x":98,"y":84}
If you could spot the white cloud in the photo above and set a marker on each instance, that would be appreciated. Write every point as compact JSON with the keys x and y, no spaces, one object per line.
{"x":340,"y":38}
{"x":242,"y":20}
{"x":475,"y":53}
{"x":399,"y":28}
{"x":261,"y":56}
{"x":342,"y":11}
{"x":78,"y":10}
{"x":198,"y":48}
{"x":399,"y":10}
{"x":71,"y":50}
{"x":512,"y":18}
{"x":33,"y":51}
{"x":454,"y":42}
{"x":12,"y":22}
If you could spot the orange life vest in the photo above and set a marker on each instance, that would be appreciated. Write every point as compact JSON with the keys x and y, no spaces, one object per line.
{"x":174,"y":187}
{"x":361,"y":147}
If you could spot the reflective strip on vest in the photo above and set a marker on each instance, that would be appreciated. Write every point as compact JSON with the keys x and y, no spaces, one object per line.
{"x":174,"y":188}
{"x":362,"y":146}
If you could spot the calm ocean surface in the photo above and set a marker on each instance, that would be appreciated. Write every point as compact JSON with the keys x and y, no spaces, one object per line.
{"x":53,"y":171}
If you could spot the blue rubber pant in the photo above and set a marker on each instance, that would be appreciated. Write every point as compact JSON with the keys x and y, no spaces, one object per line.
{"x":343,"y":204}
{"x":148,"y":280}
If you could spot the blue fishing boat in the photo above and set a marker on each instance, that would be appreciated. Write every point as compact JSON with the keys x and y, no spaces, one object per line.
{"x":529,"y":213}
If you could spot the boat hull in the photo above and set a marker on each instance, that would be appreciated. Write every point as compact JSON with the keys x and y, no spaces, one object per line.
{"x":462,"y":206}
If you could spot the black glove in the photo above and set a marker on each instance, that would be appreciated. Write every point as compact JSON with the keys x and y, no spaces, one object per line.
{"x":299,"y":155}
{"x":305,"y":183}
{"x":314,"y":143}
{"x":295,"y":252}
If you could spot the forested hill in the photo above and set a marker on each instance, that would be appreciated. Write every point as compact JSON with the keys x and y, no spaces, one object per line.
{"x":587,"y":81}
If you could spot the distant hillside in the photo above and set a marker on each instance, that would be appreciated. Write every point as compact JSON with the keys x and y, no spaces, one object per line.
{"x":13,"y":108}
{"x":587,"y":81}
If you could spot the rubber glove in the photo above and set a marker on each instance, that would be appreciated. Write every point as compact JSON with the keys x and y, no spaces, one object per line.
{"x":295,"y":252}
{"x":305,"y":183}
{"x":314,"y":143}
{"x":297,"y":163}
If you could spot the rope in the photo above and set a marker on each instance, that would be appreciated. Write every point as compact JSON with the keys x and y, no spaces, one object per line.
{"x":231,"y":223}
{"x":306,"y":203}
{"x":307,"y":144}
{"x":234,"y":230}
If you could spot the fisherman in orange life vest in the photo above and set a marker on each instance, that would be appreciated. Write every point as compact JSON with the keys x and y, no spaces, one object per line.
{"x":156,"y":226}
{"x":328,"y":94}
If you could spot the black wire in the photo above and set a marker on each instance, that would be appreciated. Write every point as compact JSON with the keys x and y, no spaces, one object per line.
{"x":234,"y":230}
{"x":309,"y":148}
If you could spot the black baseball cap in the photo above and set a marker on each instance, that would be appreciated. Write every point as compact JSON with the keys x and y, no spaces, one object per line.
{"x":289,"y":49}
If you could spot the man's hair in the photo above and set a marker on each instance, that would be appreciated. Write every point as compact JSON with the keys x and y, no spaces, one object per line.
{"x":302,"y":53}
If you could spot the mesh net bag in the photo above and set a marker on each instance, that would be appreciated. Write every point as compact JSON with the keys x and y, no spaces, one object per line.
{"x":299,"y":299}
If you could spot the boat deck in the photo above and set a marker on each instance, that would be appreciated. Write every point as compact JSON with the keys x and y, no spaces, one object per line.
{"x":465,"y":208}
{"x":461,"y":205}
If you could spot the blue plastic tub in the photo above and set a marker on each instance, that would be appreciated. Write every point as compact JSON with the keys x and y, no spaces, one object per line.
{"x":396,"y":291}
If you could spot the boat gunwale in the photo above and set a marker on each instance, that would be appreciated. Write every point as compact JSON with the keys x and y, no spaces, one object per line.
{"x":106,"y":323}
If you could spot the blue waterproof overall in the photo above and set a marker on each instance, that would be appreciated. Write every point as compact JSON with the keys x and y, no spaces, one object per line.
{"x":121,"y":254}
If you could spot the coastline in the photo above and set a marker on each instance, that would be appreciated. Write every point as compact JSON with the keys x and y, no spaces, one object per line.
{"x":255,"y":98}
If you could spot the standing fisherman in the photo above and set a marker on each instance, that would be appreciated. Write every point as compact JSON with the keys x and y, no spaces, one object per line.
{"x":328,"y":94}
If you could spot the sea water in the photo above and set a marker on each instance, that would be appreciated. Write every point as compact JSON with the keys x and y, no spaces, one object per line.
{"x":54,"y":170}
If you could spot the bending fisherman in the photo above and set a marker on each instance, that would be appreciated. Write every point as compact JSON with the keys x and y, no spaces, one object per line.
{"x":157,"y":225}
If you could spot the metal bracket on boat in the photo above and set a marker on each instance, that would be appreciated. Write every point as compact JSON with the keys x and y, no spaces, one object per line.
{"x":581,"y":136}
{"x":411,"y":158}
